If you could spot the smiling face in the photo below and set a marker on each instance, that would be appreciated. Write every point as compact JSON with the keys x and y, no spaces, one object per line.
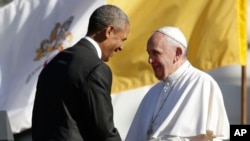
{"x":114,"y":41}
{"x":162,"y":56}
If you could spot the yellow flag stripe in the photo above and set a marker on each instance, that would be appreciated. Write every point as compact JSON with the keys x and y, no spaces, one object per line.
{"x":242,"y":26}
{"x":215,"y":30}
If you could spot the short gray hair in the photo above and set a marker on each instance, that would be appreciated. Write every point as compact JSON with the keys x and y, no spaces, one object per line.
{"x":175,"y":44}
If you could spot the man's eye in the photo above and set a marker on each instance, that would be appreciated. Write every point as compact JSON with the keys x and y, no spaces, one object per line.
{"x":117,"y":49}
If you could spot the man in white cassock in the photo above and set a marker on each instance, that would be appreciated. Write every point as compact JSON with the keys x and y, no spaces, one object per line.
{"x":186,"y":105}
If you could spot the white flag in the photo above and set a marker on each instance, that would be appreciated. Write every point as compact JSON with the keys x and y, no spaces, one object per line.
{"x":31,"y":33}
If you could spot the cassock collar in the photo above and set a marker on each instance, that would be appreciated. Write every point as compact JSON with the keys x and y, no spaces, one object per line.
{"x":178,"y":73}
{"x":97,"y":47}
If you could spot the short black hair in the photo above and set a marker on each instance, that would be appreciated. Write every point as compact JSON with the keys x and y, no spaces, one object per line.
{"x":106,"y":15}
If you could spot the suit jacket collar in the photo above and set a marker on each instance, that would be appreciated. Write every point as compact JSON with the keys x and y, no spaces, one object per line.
{"x":96,"y":46}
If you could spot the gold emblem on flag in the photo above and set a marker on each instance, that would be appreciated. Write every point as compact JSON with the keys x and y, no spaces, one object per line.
{"x":59,"y":36}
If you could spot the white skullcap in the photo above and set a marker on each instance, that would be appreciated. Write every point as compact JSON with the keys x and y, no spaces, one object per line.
{"x":174,"y":33}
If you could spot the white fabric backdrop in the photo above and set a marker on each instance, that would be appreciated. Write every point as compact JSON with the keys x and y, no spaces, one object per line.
{"x":24,"y":24}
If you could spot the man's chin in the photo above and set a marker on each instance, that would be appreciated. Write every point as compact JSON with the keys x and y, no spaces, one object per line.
{"x":105,"y":59}
{"x":159,"y":77}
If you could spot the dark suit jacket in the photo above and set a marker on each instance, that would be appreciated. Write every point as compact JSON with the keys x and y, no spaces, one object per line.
{"x":73,"y":101}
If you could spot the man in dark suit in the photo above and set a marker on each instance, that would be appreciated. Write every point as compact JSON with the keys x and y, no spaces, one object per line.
{"x":73,"y":101}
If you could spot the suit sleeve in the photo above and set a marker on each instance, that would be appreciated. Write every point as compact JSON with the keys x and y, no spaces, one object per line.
{"x":99,"y":89}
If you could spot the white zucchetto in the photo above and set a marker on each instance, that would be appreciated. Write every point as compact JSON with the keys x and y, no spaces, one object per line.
{"x":174,"y":33}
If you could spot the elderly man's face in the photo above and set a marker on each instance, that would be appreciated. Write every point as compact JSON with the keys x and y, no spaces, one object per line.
{"x":161,"y":55}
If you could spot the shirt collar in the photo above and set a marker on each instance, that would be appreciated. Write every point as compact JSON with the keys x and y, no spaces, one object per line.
{"x":178,"y":73}
{"x":97,"y":47}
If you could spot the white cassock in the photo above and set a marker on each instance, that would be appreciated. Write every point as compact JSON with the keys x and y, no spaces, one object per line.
{"x":191,"y":108}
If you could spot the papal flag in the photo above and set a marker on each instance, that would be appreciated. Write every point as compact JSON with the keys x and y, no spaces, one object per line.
{"x":32,"y":31}
{"x":216,"y":31}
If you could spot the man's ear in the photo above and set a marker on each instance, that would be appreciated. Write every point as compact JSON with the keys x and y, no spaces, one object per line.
{"x":179,"y":52}
{"x":109,"y":31}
